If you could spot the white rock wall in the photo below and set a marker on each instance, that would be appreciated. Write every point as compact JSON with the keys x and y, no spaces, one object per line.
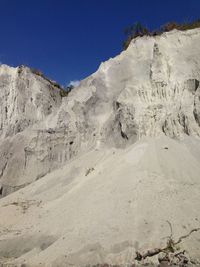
{"x":151,"y":89}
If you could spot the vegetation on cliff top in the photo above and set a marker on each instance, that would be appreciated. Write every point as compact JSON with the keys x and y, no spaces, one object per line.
{"x":63,"y":91}
{"x":138,"y":29}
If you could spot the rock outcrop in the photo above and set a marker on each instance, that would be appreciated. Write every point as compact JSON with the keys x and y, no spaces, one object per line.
{"x":107,"y":169}
{"x":26,"y":99}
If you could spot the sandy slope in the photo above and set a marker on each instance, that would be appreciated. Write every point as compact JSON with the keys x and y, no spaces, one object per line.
{"x":123,"y":205}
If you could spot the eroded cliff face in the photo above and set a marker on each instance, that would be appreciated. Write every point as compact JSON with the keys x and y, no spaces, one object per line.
{"x":25,"y":98}
{"x":151,"y":89}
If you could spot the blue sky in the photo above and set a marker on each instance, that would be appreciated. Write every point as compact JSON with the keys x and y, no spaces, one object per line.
{"x":68,"y":39}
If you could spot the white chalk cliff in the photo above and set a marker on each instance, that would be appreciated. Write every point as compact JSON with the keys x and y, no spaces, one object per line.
{"x":110,"y":171}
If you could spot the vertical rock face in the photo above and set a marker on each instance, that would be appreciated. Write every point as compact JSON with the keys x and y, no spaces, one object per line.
{"x":25,"y":99}
{"x":150,"y":89}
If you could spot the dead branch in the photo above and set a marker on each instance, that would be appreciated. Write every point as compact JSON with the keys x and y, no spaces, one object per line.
{"x":185,"y":236}
{"x":170,"y":247}
{"x":171,"y":231}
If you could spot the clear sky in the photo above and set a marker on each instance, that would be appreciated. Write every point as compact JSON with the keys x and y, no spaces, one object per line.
{"x":68,"y":39}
